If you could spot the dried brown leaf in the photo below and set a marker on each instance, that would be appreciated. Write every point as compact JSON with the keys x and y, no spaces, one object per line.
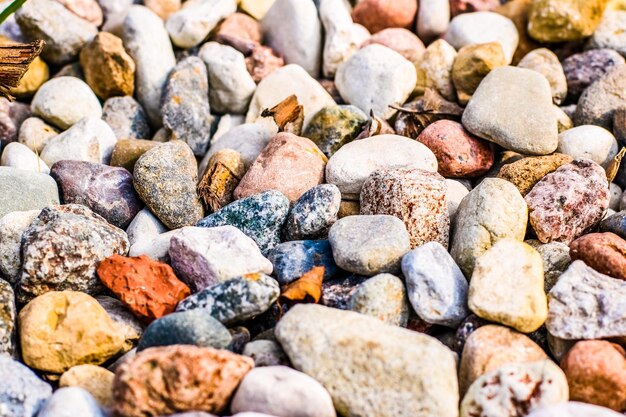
{"x":15,"y":58}
{"x":611,"y":170}
{"x":288,"y":115}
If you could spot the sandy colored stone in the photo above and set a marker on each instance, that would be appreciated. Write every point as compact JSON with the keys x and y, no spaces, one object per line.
{"x":239,"y":30}
{"x":222,"y":175}
{"x":436,"y":66}
{"x":401,"y":40}
{"x":89,"y":10}
{"x":127,"y":151}
{"x":75,"y":324}
{"x":564,"y":20}
{"x":604,"y":252}
{"x":163,"y":8}
{"x":349,"y":208}
{"x":167,"y":380}
{"x":377,"y":15}
{"x":94,"y":379}
{"x":472,"y":64}
{"x":545,"y":62}
{"x":519,"y":11}
{"x":37,"y":74}
{"x":527,"y":172}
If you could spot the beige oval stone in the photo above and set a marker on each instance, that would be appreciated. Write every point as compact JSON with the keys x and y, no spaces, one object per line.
{"x":94,"y":379}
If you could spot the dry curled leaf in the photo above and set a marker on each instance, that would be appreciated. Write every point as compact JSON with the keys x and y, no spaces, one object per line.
{"x":611,"y":170}
{"x":306,"y":289}
{"x":15,"y":58}
{"x":288,"y":115}
{"x":430,"y":108}
{"x":222,"y":175}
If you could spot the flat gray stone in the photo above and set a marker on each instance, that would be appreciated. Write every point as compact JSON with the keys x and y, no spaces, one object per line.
{"x":24,"y":190}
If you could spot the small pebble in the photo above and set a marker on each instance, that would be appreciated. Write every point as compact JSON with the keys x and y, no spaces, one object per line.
{"x":96,"y":380}
{"x":266,"y":353}
{"x":604,"y":252}
{"x":609,"y":32}
{"x":591,"y":142}
{"x":585,"y":68}
{"x":127,"y":152}
{"x":436,"y":67}
{"x":564,"y":20}
{"x":19,"y":156}
{"x":334,"y":126}
{"x":291,"y":260}
{"x":545,"y":62}
{"x":35,"y":133}
{"x":71,"y":401}
{"x":12,"y":115}
{"x":126,"y":118}
{"x":472,"y":65}
{"x":377,"y":15}
{"x":599,"y":101}
{"x":189,"y":26}
{"x":384,"y":297}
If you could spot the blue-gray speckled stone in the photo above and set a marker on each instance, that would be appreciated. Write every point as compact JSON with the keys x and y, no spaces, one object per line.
{"x":314,"y":212}
{"x":70,"y":402}
{"x":293,"y":259}
{"x":22,"y":393}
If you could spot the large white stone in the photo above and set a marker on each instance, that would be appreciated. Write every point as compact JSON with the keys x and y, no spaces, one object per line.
{"x":20,"y":156}
{"x":433,"y":19}
{"x":589,"y":141}
{"x":189,"y":26}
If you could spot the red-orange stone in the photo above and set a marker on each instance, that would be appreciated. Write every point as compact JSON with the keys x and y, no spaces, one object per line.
{"x":459,"y":153}
{"x":147,"y":287}
{"x":604,"y":252}
{"x":377,"y":15}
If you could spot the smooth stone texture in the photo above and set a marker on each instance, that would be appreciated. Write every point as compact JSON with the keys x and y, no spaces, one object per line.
{"x":334,"y":126}
{"x":374,"y":78}
{"x":12,"y":115}
{"x":471,"y":66}
{"x":249,"y":139}
{"x":600,"y":100}
{"x":291,"y":260}
{"x":193,"y":23}
{"x":383,"y":297}
{"x":455,"y":193}
{"x":433,"y":18}
{"x":583,"y":69}
{"x":19,"y":156}
{"x":22,"y":393}
{"x":591,"y":142}
{"x":71,"y":401}
{"x":564,"y":20}
{"x":545,"y":62}
{"x":266,"y":353}
{"x":610,"y":32}
{"x":12,"y":225}
{"x":574,"y":409}
{"x":96,"y":380}
{"x":204,"y":256}
{"x":436,"y":286}
{"x":615,"y":224}
{"x":126,"y":118}
{"x":144,"y":225}
{"x":346,"y":352}
{"x":513,"y":108}
{"x":401,"y":40}
{"x":436,"y":67}
{"x":377,"y":15}
{"x":23,"y":190}
{"x":313,"y":213}
{"x":35,"y":133}
{"x":604,"y":252}
{"x":63,"y":101}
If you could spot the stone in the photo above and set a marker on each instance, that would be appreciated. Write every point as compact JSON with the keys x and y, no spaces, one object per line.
{"x":377,"y":15}
{"x":148,"y":43}
{"x":24,"y":190}
{"x":344,"y":351}
{"x":35,"y":133}
{"x":595,"y":371}
{"x":163,"y":9}
{"x":37,"y":74}
{"x":260,"y":217}
{"x":351,"y":165}
{"x":126,"y":118}
{"x":483,"y":27}
{"x":63,"y":101}
{"x":96,"y":380}
{"x":609,"y":32}
{"x":108,"y":69}
{"x":599,"y":101}
{"x":436,"y":67}
{"x":512,"y":107}
{"x":556,"y":259}
{"x":436,"y":286}
{"x":203,"y":257}
{"x":239,"y":27}
{"x":89,"y":10}
{"x":433,"y":18}
{"x":616,"y":197}
{"x":369,"y":244}
{"x":231,"y":86}
{"x":61,"y":249}
{"x":337,"y":293}
{"x":193,"y":327}
{"x":591,"y":142}
{"x":374,"y":78}
{"x":70,"y":400}
{"x":165,"y":178}
{"x":236,"y":300}
{"x":144,"y":226}
{"x":564,"y":20}
{"x":334,"y":126}
{"x":383,"y":297}
{"x":402,"y":41}
{"x":292,"y":28}
{"x":516,"y":389}
{"x":566,"y":202}
{"x":615,"y":224}
{"x":12,"y":115}
{"x":313,"y":213}
{"x":12,"y":225}
{"x":256,"y":8}
{"x":458,"y":7}
{"x":604,"y":252}
{"x":23,"y":393}
{"x":8,"y":320}
{"x":574,"y":409}
{"x":299,"y":394}
{"x":206,"y":379}
{"x":248,"y":139}
{"x":415,"y":196}
{"x":19,"y":156}
{"x":130,"y":327}
{"x":266,"y":353}
{"x":148,"y":288}
{"x":189,"y":26}
{"x":291,"y":260}
{"x":492,"y":211}
{"x":490,"y":347}
{"x":185,"y":105}
{"x":472,"y":64}
{"x":73,"y":322}
{"x":284,"y":82}
{"x":108,"y":191}
{"x":290,"y":164}
{"x":527,"y":172}
{"x":63,"y":31}
{"x":455,"y":193}
{"x":583,"y":69}
{"x":545,"y":62}
{"x":262,"y":61}
{"x":585,"y":304}
{"x":127,"y":152}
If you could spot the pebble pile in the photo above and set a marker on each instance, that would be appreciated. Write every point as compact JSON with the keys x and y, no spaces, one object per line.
{"x":315,"y":208}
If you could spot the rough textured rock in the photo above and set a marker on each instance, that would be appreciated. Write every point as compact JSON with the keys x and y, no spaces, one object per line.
{"x":383,"y":297}
{"x":127,"y":152}
{"x":527,"y":172}
{"x":472,"y":65}
{"x":12,"y":226}
{"x":345,"y":352}
{"x":334,"y":126}
{"x":564,"y":20}
{"x":126,"y":117}
{"x":556,"y":259}
{"x":566,"y":202}
{"x":583,"y":69}
{"x":23,"y":190}
{"x":61,"y":249}
{"x":600,"y":100}
{"x":293,"y":259}
{"x":130,"y":327}
{"x":196,"y":378}
{"x":610,"y":32}
{"x":23,"y":393}
{"x":604,"y":252}
{"x":8,"y":318}
{"x":313,"y":213}
{"x":94,"y":379}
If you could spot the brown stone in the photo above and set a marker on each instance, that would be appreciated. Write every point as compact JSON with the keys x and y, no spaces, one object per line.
{"x":290,"y":164}
{"x":527,"y":172}
{"x":596,"y":373}
{"x":262,"y":61}
{"x":401,"y":40}
{"x":37,"y":74}
{"x":489,"y":347}
{"x":87,"y":9}
{"x":519,"y":11}
{"x":166,"y":380}
{"x":468,"y":6}
{"x":240,"y":31}
{"x":108,"y":69}
{"x":127,"y":151}
{"x":163,"y":8}
{"x":149,"y":288}
{"x":222,"y":175}
{"x":349,"y":208}
{"x":604,"y":252}
{"x":619,"y":125}
{"x":459,"y":153}
{"x":472,"y":64}
{"x":94,"y":379}
{"x":377,"y":15}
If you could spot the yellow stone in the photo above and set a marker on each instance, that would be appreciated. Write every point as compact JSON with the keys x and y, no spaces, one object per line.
{"x":472,"y":64}
{"x":93,"y":379}
{"x":37,"y":74}
{"x":564,"y":20}
{"x":616,"y":5}
{"x":256,"y":8}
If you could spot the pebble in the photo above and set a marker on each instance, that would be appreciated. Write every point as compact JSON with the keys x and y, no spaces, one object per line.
{"x":239,"y":27}
{"x":22,"y":393}
{"x":130,"y":327}
{"x":545,"y":62}
{"x":35,"y":133}
{"x":61,"y":249}
{"x":374,"y":78}
{"x":266,"y":353}
{"x":96,"y":380}
{"x":369,"y":244}
{"x":584,"y":68}
{"x":24,"y":190}
{"x":599,"y":101}
{"x":402,"y":41}
{"x":516,"y":389}
{"x":19,"y":156}
{"x":12,"y":115}
{"x":290,"y":164}
{"x":492,"y":211}
{"x":436,"y":68}
{"x":299,"y":394}
{"x":556,"y":259}
{"x":127,"y":152}
{"x":126,"y":118}
{"x":262,"y":62}
{"x":260,"y":217}
{"x":291,"y":260}
{"x":483,"y":27}
{"x":8,"y":316}
{"x":377,"y":15}
{"x":38,"y":73}
{"x":472,"y":64}
{"x":419,"y":381}
{"x":512,"y":107}
{"x":604,"y":252}
{"x":64,"y":101}
{"x":108,"y":191}
{"x":189,"y":26}
{"x":249,"y":139}
{"x":203,"y":257}
{"x":591,"y":142}
{"x":75,"y":324}
{"x":205,"y":379}
{"x":574,"y":409}
{"x":615,"y":224}
{"x":563,"y":20}
{"x":63,"y":31}
{"x":193,"y":327}
{"x":148,"y":43}
{"x":616,"y":197}
{"x":455,"y":193}
{"x":585,"y":304}
{"x":165,"y":178}
{"x":567,"y":201}
{"x":467,"y":6}
{"x":313,"y":213}
{"x":383,"y":297}
{"x":144,"y":225}
{"x":71,"y":401}
{"x":231,"y":86}
{"x":609,"y":33}
{"x":334,"y":126}
{"x":433,"y":18}
{"x":236,"y":300}
{"x":163,"y":9}
{"x":525,"y":173}
{"x":256,"y":8}
{"x":351,"y":165}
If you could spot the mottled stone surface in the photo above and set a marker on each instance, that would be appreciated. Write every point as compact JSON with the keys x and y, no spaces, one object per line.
{"x":569,"y":200}
{"x":8,"y":320}
{"x":337,"y":293}
{"x":610,"y":32}
{"x":383,"y":297}
{"x":126,"y":117}
{"x":293,"y":259}
{"x":166,"y":380}
{"x":583,"y":69}
{"x":12,"y":115}
{"x":334,"y":126}
{"x":527,"y":172}
{"x":564,"y":20}
{"x":472,"y":65}
{"x":556,"y":259}
{"x":615,"y":224}
{"x":313,"y":213}
{"x":12,"y":226}
{"x":236,"y":300}
{"x":599,"y":101}
{"x":62,"y":248}
{"x":604,"y":252}
{"x":22,"y":392}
